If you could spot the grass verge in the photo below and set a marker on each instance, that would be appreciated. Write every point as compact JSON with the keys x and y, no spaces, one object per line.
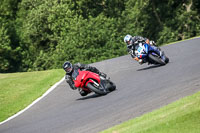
{"x":18,"y":90}
{"x":182,"y":116}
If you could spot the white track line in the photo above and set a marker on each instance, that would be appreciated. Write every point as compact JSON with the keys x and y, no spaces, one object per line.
{"x":46,"y":93}
{"x":34,"y":102}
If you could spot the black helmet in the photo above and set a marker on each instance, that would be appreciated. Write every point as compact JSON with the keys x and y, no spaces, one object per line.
{"x":67,"y":66}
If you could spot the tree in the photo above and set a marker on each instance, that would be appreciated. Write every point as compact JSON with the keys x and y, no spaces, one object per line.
{"x":9,"y":56}
{"x":90,"y":40}
{"x":9,"y":46}
{"x":41,"y":29}
{"x":109,"y":8}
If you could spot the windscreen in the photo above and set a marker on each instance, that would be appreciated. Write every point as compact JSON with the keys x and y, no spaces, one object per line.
{"x":75,"y":74}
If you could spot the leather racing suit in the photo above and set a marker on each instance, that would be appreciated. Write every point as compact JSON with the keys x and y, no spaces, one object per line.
{"x":80,"y":66}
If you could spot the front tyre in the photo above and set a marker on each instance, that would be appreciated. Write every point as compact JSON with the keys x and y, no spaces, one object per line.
{"x":156,"y":59}
{"x":166,"y":59}
{"x":96,"y":90}
{"x":111,"y":86}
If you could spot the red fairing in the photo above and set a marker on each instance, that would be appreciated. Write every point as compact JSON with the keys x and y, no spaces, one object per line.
{"x":84,"y":78}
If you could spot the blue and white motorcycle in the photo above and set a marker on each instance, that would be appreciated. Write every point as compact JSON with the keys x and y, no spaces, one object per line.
{"x":151,"y":54}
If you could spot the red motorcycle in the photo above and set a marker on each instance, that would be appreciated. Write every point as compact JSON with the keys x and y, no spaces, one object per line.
{"x":92,"y":82}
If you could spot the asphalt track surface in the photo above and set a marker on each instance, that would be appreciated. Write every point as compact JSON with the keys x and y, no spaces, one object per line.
{"x":140,"y":89}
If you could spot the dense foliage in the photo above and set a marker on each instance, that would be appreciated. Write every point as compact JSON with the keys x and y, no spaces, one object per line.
{"x":42,"y":34}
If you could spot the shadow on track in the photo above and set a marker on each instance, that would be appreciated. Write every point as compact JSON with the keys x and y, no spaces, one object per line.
{"x":93,"y":96}
{"x":150,"y":67}
{"x":90,"y":96}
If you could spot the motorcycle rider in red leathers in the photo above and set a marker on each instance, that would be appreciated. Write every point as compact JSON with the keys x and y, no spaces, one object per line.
{"x":69,"y":68}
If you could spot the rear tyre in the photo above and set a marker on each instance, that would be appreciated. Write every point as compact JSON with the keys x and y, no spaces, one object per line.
{"x":96,"y":90}
{"x":156,"y":59}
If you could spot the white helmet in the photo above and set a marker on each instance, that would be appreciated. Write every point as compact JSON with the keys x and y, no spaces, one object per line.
{"x":128,"y":39}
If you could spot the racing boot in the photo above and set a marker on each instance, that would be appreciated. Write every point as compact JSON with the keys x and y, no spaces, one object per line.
{"x":141,"y":61}
{"x":82,"y":92}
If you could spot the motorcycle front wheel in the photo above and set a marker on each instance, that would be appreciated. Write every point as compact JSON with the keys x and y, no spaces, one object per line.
{"x":156,"y":59}
{"x":111,"y":86}
{"x":96,"y":90}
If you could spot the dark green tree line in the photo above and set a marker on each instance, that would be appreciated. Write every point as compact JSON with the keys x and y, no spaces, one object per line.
{"x":42,"y":34}
{"x":9,"y":47}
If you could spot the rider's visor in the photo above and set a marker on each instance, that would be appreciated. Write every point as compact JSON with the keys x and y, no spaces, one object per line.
{"x":129,"y":42}
{"x":68,"y":69}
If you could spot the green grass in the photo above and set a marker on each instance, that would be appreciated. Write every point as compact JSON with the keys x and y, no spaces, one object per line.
{"x":182,"y":116}
{"x":18,"y":90}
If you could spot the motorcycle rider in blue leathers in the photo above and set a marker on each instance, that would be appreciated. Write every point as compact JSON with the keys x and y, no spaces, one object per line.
{"x":133,"y":47}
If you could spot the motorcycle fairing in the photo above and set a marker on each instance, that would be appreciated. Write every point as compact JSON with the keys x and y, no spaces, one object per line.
{"x":142,"y":50}
{"x":82,"y":78}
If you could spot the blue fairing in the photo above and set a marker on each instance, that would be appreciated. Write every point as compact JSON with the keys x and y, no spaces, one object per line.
{"x":146,"y":48}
